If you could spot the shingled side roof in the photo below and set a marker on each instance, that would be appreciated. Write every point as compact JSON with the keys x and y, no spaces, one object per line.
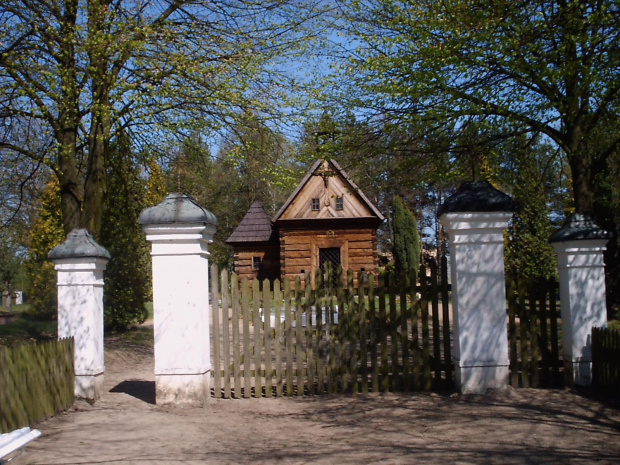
{"x":255,"y":226}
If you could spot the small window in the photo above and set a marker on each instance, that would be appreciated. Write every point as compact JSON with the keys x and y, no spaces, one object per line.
{"x":316,"y":204}
{"x":339,"y":203}
{"x":256,"y":263}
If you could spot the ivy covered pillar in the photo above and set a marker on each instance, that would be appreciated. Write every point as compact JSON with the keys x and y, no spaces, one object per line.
{"x":180,"y":230}
{"x":475,"y":218}
{"x":80,"y":263}
{"x":580,"y":245}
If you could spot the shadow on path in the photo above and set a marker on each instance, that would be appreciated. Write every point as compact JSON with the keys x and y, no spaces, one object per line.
{"x":142,"y":390}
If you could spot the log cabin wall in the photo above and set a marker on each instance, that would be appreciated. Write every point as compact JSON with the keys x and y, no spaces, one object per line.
{"x":300,"y":250}
{"x":267,"y":255}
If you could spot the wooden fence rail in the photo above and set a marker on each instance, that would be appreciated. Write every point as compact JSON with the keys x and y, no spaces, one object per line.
{"x":36,"y":381}
{"x":287,"y":338}
{"x":606,"y":361}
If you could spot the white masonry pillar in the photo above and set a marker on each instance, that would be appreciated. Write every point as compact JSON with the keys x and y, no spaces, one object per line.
{"x":80,"y":263}
{"x":180,"y":230}
{"x":580,"y":245}
{"x":475,"y":218}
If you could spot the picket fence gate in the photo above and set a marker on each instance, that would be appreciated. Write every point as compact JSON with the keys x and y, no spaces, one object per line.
{"x":534,"y":334}
{"x":287,"y":338}
{"x":383,"y":335}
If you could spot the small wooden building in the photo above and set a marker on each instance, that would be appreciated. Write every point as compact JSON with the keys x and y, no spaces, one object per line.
{"x":256,"y":246}
{"x":326,"y":219}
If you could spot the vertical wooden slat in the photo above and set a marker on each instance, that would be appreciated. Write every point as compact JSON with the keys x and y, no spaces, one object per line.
{"x":363,"y":331}
{"x":258,"y":363}
{"x":288,"y":330}
{"x":247,"y":349}
{"x":235,"y":320}
{"x":277,"y":305}
{"x":216,"y":343}
{"x":320,"y":352}
{"x":426,"y":343}
{"x":352,"y":326}
{"x":299,"y":337}
{"x":523,"y":337}
{"x":394,"y":339}
{"x":374,"y":333}
{"x":343,"y":320}
{"x":383,"y":335}
{"x":445,"y":304}
{"x":225,"y":332}
{"x":404,"y":331}
{"x":308,"y":304}
{"x":512,"y":333}
{"x":435,"y":319}
{"x":267,"y":342}
{"x":534,"y":340}
{"x":415,"y":338}
{"x":544,"y":338}
{"x":555,"y":349}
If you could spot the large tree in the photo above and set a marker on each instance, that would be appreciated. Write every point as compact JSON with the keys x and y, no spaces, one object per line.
{"x":551,"y":67}
{"x":82,"y":71}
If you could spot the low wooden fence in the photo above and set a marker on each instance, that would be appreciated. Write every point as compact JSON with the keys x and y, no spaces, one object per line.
{"x":606,"y":361}
{"x":534,"y":334}
{"x":36,"y":381}
{"x":288,"y":339}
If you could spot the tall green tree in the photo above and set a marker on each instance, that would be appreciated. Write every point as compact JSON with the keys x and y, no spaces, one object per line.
{"x":406,"y":239}
{"x":126,"y":286}
{"x":46,"y":233}
{"x":84,"y":71}
{"x":550,"y":67}
{"x":529,"y":256}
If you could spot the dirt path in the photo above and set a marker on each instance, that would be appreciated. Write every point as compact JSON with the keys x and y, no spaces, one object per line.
{"x":519,"y":427}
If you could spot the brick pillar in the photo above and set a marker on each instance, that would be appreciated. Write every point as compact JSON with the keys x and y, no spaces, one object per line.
{"x":579,"y":245}
{"x":180,"y":230}
{"x":475,"y":218}
{"x":80,"y":263}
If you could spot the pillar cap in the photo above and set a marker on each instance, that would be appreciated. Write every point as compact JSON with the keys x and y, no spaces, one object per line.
{"x":477,"y":196}
{"x":177,"y":208}
{"x":79,"y":244}
{"x":579,"y":227}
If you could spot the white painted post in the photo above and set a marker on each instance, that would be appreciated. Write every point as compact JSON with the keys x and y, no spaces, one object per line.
{"x":80,"y":263}
{"x":475,"y":218}
{"x":180,"y":230}
{"x":580,"y":245}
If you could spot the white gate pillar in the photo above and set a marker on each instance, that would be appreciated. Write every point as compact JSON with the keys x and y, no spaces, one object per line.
{"x":180,"y":230}
{"x":475,"y":218}
{"x":80,"y":263}
{"x":579,"y":245}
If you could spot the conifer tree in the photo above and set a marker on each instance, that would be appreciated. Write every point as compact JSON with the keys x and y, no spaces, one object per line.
{"x":406,"y":246}
{"x":46,"y":233}
{"x":126,"y":281}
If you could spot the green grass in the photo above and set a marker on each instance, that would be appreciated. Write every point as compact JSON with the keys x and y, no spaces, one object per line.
{"x":25,"y":330}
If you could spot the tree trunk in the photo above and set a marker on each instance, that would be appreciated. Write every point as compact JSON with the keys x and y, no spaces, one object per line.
{"x":581,"y":168}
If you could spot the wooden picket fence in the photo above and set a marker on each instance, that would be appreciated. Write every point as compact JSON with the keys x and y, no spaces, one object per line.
{"x":606,"y":361}
{"x":534,"y":335}
{"x":275,"y":338}
{"x":36,"y":381}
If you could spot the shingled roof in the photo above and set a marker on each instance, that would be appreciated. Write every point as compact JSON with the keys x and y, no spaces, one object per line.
{"x":255,"y":226}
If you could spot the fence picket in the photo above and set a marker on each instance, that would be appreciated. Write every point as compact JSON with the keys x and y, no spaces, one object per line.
{"x":288,"y":330}
{"x":277,"y":305}
{"x":256,"y":299}
{"x":236,"y":341}
{"x":225,"y":332}
{"x":217,"y":378}
{"x":247,"y":360}
{"x":268,"y":339}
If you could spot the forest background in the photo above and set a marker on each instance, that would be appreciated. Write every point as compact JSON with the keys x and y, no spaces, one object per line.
{"x":106,"y":106}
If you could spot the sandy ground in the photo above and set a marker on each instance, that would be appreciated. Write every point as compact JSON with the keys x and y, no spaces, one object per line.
{"x":516,"y":427}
